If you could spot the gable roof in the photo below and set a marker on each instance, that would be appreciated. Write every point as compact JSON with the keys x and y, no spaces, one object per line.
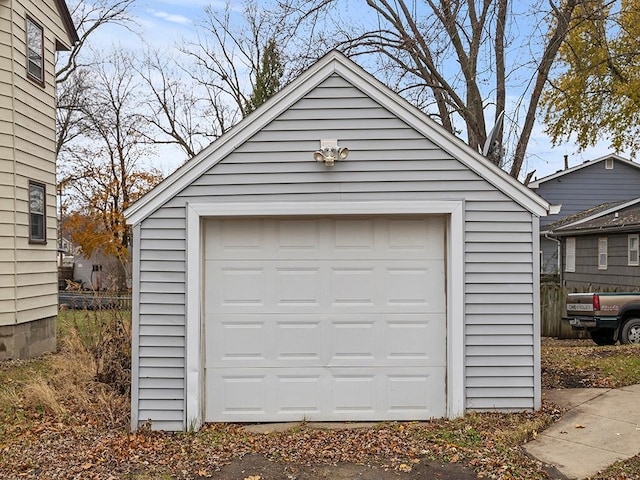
{"x":536,"y":183}
{"x":618,"y":216}
{"x":333,"y":62}
{"x":67,"y":21}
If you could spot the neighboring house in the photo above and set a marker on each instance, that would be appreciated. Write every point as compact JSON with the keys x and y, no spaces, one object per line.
{"x":98,"y":272}
{"x":606,"y":179}
{"x":601,"y":247}
{"x":401,"y":283}
{"x":31,"y":31}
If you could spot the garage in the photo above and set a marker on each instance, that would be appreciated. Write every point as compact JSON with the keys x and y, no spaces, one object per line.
{"x":325,"y":318}
{"x":336,"y":256}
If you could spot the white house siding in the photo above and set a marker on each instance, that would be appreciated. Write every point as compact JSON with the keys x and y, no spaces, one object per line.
{"x":28,"y":277}
{"x":388,"y":161}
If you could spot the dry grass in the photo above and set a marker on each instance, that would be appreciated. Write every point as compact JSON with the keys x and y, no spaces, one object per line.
{"x":38,"y":393}
{"x":86,"y":381}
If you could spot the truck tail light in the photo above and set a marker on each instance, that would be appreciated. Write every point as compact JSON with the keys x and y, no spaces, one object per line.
{"x":596,"y":303}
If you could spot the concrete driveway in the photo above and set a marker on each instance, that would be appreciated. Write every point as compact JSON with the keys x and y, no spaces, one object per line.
{"x":601,"y":427}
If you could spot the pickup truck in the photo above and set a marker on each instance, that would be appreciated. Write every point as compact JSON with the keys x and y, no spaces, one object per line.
{"x":608,"y":317}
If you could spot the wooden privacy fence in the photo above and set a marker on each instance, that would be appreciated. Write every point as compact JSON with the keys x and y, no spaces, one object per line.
{"x":552,"y":301}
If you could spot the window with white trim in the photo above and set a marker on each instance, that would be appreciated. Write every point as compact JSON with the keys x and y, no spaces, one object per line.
{"x":603,"y":245}
{"x":634,"y":256}
{"x":570,"y":255}
{"x":608,"y":164}
{"x":37,"y":210}
{"x":35,"y":51}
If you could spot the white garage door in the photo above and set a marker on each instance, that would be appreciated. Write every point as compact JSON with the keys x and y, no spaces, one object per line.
{"x":325,"y":319}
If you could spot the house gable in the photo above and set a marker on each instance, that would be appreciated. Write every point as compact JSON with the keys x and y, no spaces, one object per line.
{"x":606,"y":159}
{"x":367,"y":86}
{"x":385,"y":154}
{"x":67,"y":22}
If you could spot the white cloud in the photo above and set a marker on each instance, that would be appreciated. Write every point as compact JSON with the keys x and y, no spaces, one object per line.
{"x":170,"y":17}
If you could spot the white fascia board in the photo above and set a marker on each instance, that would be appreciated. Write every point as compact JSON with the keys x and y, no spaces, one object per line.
{"x":462,"y":152}
{"x":536,"y":183}
{"x":608,"y":211}
{"x":338,"y":207}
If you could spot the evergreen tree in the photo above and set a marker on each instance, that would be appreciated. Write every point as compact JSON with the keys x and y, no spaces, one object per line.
{"x":268,"y":75}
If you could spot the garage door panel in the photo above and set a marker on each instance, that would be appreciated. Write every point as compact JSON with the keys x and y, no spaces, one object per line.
{"x":298,"y":286}
{"x":408,"y":340}
{"x":324,"y":286}
{"x":331,"y":340}
{"x":299,"y":341}
{"x":240,"y":393}
{"x":415,"y":235}
{"x":241,"y":287}
{"x":299,"y":394}
{"x":352,"y":286}
{"x":348,"y":239}
{"x":324,"y":394}
{"x":238,"y":340}
{"x":353,"y":342}
{"x":297,"y":236}
{"x":405,"y":286}
{"x":325,"y":319}
{"x":237,"y":238}
{"x":354,"y":236}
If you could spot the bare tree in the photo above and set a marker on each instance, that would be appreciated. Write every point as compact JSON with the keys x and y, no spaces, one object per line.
{"x":73,"y":68}
{"x":106,"y":165}
{"x":72,"y":98}
{"x":450,"y":58}
{"x":88,"y":17}
{"x":182,"y":112}
{"x":230,"y":67}
{"x":227,"y":56}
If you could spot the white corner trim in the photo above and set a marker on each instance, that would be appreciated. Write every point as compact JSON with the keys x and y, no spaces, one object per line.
{"x":195,"y":212}
{"x":135,"y":332}
{"x":537,"y":355}
{"x":455,"y":313}
{"x":194,"y":381}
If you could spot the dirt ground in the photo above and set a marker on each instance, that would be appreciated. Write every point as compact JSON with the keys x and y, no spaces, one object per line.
{"x":256,"y":467}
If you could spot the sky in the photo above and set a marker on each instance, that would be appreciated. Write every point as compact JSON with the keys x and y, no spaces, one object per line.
{"x":166,"y":22}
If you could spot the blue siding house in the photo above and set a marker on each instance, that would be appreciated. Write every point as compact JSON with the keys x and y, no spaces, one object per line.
{"x":601,"y":247}
{"x":607,"y":179}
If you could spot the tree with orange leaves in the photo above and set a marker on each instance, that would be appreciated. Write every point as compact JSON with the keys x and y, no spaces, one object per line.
{"x":103,"y":171}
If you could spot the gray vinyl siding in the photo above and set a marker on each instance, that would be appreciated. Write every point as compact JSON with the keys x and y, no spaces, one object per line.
{"x":618,"y":276}
{"x":388,"y":160}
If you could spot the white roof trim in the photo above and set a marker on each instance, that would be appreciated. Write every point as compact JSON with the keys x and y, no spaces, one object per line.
{"x":603,"y":213}
{"x":536,"y":183}
{"x":333,"y":62}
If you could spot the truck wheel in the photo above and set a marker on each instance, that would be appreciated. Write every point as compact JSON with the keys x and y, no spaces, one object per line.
{"x":603,"y":337}
{"x":631,"y":331}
